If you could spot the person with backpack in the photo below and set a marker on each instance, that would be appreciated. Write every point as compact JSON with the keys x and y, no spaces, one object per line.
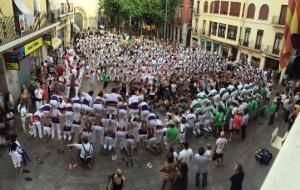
{"x":86,"y":151}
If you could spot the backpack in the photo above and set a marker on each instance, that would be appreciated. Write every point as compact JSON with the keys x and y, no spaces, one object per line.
{"x":263,"y":156}
{"x":87,"y":154}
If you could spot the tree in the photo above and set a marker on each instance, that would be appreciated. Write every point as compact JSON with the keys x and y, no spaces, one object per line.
{"x":139,"y":11}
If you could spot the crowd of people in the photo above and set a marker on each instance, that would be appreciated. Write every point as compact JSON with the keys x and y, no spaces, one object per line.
{"x":153,"y":95}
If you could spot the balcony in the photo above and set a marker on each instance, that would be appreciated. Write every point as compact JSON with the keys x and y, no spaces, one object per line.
{"x":251,"y":45}
{"x":66,"y":9}
{"x":269,"y":50}
{"x":11,"y":26}
{"x":277,"y":21}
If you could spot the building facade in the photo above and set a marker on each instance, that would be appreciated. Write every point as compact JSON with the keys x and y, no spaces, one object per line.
{"x":180,"y":28}
{"x":86,"y":13}
{"x":29,"y":30}
{"x":246,"y":30}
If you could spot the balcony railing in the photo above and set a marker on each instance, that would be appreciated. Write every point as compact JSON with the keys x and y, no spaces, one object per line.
{"x":251,"y":45}
{"x":11,"y":26}
{"x":271,"y":51}
{"x":66,"y":8}
{"x":276,"y":20}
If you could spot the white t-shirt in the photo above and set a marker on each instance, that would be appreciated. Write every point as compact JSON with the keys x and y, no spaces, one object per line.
{"x":38,"y":93}
{"x":112,"y":97}
{"x":220,"y":143}
{"x":16,"y":158}
{"x":186,"y":155}
{"x":134,"y":99}
{"x":87,"y":148}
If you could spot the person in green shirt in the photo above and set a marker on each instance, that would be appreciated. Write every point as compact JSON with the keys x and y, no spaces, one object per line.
{"x":172,"y":135}
{"x":218,"y":120}
{"x":273,"y":110}
{"x":106,"y":79}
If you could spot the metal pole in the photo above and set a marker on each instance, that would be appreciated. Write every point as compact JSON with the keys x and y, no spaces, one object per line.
{"x":165,"y":27}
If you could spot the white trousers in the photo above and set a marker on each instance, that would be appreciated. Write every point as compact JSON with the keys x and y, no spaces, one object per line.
{"x":56,"y":127}
{"x":23,"y":120}
{"x":98,"y":133}
{"x":108,"y":142}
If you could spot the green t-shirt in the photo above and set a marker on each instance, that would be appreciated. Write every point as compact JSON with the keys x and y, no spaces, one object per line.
{"x":253,"y":106}
{"x":172,"y":133}
{"x":105,"y":77}
{"x":273,"y":108}
{"x":219,"y":117}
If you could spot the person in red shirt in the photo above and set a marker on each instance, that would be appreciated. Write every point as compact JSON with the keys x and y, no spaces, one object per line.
{"x":237,"y":123}
{"x":45,"y":96}
{"x":59,"y":70}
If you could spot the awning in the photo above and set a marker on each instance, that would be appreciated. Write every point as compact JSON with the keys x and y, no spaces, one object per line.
{"x":56,"y":42}
{"x":21,"y":6}
{"x":76,"y":27}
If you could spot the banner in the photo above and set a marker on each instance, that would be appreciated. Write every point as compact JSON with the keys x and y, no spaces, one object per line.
{"x":32,"y":46}
{"x":12,"y":61}
{"x":22,"y":23}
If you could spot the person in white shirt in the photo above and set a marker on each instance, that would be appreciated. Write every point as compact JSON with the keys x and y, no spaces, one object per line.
{"x":220,"y":149}
{"x":191,"y":120}
{"x":24,"y":115}
{"x":16,"y":158}
{"x":38,"y":94}
{"x":186,"y":155}
{"x":86,"y":151}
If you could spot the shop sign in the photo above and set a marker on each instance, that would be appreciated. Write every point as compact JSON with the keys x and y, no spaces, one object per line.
{"x":32,"y":46}
{"x":47,"y":39}
{"x":12,"y":61}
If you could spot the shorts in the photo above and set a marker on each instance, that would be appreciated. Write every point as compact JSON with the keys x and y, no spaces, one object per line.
{"x":217,"y":155}
{"x":17,"y":164}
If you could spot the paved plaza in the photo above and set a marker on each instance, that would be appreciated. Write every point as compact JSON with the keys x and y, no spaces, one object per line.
{"x":54,"y":174}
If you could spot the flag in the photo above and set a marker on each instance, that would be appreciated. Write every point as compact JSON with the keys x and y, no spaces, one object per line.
{"x":292,"y":25}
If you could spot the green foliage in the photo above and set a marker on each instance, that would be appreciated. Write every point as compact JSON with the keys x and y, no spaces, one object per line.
{"x":150,"y":11}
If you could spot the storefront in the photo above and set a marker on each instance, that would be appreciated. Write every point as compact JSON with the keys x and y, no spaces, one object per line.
{"x":30,"y":57}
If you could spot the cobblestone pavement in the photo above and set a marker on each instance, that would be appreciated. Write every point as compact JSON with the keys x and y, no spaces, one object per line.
{"x":54,"y":174}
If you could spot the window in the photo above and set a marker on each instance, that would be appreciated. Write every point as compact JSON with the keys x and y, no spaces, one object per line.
{"x":205,"y":9}
{"x":216,"y":6}
{"x":214,"y":28}
{"x":204,"y":26}
{"x":282,"y":14}
{"x":235,"y":8}
{"x":222,"y":29}
{"x":224,"y":7}
{"x":251,"y":11}
{"x":259,"y":37}
{"x":232,"y":32}
{"x":264,"y":12}
{"x":277,"y":43}
{"x":246,"y":38}
{"x":198,"y":7}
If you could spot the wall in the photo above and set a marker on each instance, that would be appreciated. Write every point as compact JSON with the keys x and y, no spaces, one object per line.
{"x":90,"y":8}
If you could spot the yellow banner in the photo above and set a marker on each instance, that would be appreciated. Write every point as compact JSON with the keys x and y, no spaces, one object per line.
{"x":12,"y":66}
{"x":34,"y":45}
